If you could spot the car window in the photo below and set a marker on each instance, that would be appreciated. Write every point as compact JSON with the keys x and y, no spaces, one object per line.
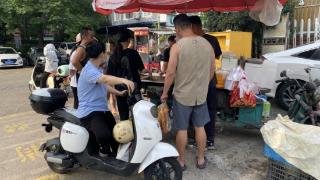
{"x":7,"y":51}
{"x":63,"y":46}
{"x":307,"y":54}
{"x":71,"y":45}
{"x":56,"y":45}
{"x":316,"y":55}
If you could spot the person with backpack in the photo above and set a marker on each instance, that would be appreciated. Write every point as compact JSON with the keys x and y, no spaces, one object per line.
{"x":125,"y":63}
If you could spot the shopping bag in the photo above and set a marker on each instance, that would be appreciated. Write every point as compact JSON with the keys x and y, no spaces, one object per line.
{"x":241,"y":98}
{"x":163,"y":118}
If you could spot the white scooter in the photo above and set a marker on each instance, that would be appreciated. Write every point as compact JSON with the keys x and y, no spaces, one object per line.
{"x":76,"y":146}
{"x":60,"y":80}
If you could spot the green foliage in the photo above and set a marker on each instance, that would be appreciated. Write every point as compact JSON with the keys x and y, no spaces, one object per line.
{"x":64,"y":17}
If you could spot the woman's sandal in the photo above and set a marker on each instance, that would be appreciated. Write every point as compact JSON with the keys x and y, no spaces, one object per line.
{"x":202,"y":166}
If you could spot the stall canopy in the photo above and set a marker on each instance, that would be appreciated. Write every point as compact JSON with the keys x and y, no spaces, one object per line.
{"x":106,"y":7}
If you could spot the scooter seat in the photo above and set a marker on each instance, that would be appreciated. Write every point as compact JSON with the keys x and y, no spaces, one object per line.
{"x":69,"y":115}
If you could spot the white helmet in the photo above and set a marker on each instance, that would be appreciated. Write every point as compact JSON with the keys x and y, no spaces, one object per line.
{"x":123,"y":132}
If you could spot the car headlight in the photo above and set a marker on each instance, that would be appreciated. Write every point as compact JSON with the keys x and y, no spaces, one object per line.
{"x":19,"y":60}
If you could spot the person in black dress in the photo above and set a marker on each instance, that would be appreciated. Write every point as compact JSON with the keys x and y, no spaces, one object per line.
{"x":125,"y":63}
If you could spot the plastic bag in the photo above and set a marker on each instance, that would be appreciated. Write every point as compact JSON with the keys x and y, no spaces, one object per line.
{"x":246,"y":87}
{"x":163,"y":118}
{"x":267,"y":11}
{"x":298,"y":144}
{"x":234,"y":76}
{"x":243,"y":95}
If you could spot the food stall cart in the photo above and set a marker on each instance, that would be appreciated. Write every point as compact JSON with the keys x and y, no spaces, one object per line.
{"x":106,"y":7}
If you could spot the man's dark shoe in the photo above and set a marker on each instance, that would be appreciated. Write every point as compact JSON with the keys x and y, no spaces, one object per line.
{"x":210,"y":145}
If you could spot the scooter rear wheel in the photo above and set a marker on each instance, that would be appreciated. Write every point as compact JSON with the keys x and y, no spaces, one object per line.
{"x":57,"y":168}
{"x":164,"y":169}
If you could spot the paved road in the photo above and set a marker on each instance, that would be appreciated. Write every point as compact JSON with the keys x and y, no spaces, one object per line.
{"x":238,"y":154}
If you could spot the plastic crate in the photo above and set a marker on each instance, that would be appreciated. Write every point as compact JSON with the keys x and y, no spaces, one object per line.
{"x":280,"y":169}
{"x":270,"y":153}
{"x":250,"y":116}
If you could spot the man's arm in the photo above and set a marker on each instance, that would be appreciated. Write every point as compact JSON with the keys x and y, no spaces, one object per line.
{"x":217,"y":48}
{"x":213,"y":66}
{"x":78,"y":57}
{"x":171,"y":71}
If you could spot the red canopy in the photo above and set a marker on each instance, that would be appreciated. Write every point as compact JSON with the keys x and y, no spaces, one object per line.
{"x":106,"y":7}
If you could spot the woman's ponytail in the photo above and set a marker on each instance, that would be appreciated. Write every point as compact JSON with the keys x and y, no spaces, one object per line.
{"x":118,"y":51}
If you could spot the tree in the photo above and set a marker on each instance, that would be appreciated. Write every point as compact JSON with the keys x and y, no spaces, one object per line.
{"x":35,"y":17}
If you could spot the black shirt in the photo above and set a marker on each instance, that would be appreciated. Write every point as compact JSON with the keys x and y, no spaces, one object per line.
{"x":127,"y":67}
{"x":214,"y":43}
{"x":166,"y":55}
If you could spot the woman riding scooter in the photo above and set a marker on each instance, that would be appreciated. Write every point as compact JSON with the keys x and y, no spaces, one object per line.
{"x":51,"y":64}
{"x":92,"y":93}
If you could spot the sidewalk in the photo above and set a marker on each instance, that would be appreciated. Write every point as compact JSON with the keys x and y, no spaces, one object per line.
{"x":238,"y":156}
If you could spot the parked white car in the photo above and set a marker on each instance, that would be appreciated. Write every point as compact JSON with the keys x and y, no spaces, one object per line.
{"x":294,"y":61}
{"x":9,"y":57}
{"x":66,"y":47}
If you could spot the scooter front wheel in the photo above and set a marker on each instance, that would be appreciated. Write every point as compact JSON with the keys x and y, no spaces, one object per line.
{"x":164,"y":169}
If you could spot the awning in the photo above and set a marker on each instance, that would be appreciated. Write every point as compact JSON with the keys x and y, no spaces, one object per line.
{"x":106,"y":7}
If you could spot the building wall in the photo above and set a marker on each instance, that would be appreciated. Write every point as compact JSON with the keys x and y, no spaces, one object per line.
{"x":136,"y":17}
{"x":274,"y":39}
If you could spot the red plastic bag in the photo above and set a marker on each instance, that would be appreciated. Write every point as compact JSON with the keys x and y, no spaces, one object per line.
{"x":248,"y":99}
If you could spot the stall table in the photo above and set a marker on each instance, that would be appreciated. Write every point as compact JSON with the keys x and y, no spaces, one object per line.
{"x":239,"y":117}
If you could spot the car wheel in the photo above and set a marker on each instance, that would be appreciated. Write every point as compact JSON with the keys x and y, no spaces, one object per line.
{"x":285,"y":94}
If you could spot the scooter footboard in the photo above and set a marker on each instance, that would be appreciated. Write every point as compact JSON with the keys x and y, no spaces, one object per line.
{"x":161,"y":150}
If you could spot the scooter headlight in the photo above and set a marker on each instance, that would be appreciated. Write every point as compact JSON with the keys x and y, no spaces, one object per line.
{"x":154,"y":111}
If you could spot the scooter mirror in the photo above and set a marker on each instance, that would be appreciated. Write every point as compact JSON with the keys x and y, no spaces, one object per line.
{"x":283,"y":73}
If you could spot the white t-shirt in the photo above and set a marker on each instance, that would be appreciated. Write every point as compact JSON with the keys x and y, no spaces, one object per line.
{"x":73,"y":80}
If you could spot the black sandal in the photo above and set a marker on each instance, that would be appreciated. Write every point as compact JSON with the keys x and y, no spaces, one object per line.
{"x":202,"y":166}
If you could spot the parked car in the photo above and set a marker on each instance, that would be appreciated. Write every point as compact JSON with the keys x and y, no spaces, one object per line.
{"x":294,"y":61}
{"x":36,"y":53}
{"x":62,"y":56}
{"x":33,"y":55}
{"x":66,"y":47}
{"x":9,"y":57}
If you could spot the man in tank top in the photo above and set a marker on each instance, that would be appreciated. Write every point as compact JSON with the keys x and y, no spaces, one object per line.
{"x":190,"y":68}
{"x":80,"y":58}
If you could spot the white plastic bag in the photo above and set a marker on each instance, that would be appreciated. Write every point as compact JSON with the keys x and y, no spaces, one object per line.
{"x":234,"y":76}
{"x":247,"y":87}
{"x":298,"y":144}
{"x":267,"y":11}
